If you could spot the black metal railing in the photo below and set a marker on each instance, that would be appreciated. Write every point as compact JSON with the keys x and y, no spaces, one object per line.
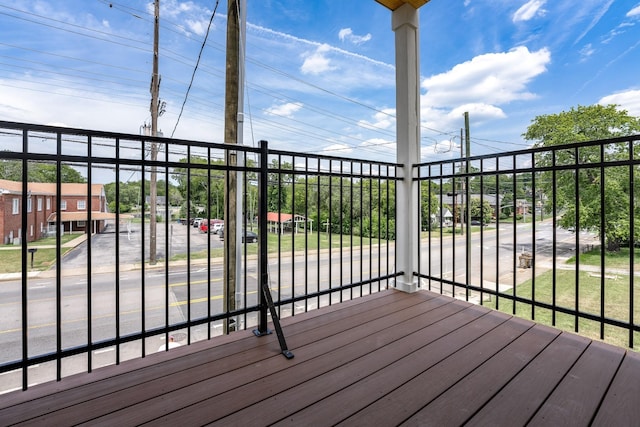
{"x":550,"y":233}
{"x":89,"y":278}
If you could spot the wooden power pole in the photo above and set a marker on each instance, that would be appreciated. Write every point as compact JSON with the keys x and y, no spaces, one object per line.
{"x":155,"y":89}
{"x":231,"y":137}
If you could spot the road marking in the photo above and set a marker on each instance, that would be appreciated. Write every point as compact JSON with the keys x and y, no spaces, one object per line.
{"x":104,"y":350}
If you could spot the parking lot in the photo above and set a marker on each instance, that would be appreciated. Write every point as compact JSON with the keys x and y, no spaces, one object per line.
{"x":173,"y":238}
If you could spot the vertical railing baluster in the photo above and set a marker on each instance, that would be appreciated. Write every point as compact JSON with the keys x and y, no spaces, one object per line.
{"x":263,"y":254}
{"x":554,"y":237}
{"x":88,"y":231}
{"x":602,"y":252}
{"x":58,"y":256}
{"x":533,"y":237}
{"x":441,"y":271}
{"x":318,"y":256}
{"x":24,"y":265}
{"x":576,"y":219}
{"x":117,"y":249}
{"x":482,"y":212}
{"x":341,"y":221}
{"x":143,"y":269}
{"x":497,"y":258}
{"x":515,"y":234}
{"x":632,"y":240}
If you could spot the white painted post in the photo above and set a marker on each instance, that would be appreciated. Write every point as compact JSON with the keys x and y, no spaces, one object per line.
{"x":405,"y":24}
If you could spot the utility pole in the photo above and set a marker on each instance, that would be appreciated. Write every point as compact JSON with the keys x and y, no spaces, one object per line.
{"x":155,"y":89}
{"x":467,"y":140}
{"x":231,"y":137}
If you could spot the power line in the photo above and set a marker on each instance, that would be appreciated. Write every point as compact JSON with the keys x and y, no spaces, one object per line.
{"x":193,"y":75}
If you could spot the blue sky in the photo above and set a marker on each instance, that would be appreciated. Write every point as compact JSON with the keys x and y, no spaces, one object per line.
{"x":319,"y":74}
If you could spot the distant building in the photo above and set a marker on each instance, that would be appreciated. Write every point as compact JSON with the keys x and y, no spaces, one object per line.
{"x":281,"y":222}
{"x":42,"y":202}
{"x":494,"y":201}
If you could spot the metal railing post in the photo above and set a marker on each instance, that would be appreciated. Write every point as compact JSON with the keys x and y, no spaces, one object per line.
{"x":263,"y":260}
{"x":266,"y":301}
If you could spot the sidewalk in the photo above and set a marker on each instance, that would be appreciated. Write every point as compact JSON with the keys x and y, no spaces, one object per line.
{"x":70,"y":244}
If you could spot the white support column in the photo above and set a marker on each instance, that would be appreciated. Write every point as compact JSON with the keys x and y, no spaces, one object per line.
{"x":405,"y":24}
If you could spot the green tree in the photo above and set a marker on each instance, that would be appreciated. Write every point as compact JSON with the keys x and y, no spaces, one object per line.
{"x":39,"y":172}
{"x":482,"y":212}
{"x":588,"y":123}
{"x":279,"y":188}
{"x":206,"y":195}
{"x":429,"y":204}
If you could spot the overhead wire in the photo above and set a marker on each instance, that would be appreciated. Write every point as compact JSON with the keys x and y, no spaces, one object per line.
{"x":193,"y":75}
{"x":101,"y":39}
{"x":357,"y":143}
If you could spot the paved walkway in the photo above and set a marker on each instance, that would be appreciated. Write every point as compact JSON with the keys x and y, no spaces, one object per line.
{"x":70,"y":244}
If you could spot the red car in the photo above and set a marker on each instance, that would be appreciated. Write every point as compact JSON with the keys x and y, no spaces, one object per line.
{"x":211,"y":226}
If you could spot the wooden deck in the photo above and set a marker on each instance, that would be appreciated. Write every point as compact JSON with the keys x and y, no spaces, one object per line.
{"x":386,"y":359}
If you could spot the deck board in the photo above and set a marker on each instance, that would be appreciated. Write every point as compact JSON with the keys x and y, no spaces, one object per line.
{"x":384,"y":359}
{"x":501,"y":368}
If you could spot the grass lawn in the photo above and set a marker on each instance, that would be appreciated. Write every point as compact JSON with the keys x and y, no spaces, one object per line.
{"x":42,"y":260}
{"x":616,"y":294}
{"x":618,"y":259}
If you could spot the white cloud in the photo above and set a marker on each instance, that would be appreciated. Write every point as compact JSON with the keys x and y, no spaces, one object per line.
{"x":586,"y":51}
{"x":317,"y":62}
{"x":480,"y":86}
{"x":629,"y":100}
{"x":635,"y":12}
{"x":284,"y":110}
{"x":384,"y":119}
{"x":529,"y":10}
{"x":595,"y":14}
{"x":479,"y":111}
{"x":197,"y":27}
{"x":337,"y":150}
{"x":493,"y":78}
{"x":346,"y":34}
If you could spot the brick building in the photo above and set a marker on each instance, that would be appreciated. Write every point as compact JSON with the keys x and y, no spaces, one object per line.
{"x":42,"y":202}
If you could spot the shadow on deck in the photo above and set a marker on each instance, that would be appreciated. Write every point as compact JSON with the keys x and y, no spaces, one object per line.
{"x":385,"y":359}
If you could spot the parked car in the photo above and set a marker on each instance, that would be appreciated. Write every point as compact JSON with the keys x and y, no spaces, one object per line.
{"x":211,"y":226}
{"x":249,"y":236}
{"x":196,"y":222}
{"x":204,"y":226}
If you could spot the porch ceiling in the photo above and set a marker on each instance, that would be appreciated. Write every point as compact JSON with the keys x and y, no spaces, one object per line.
{"x":394,"y":4}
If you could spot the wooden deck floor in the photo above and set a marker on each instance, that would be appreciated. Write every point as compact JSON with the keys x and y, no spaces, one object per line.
{"x":387,"y":359}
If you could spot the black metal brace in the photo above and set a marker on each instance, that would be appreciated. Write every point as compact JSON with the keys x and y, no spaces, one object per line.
{"x":266,"y":294}
{"x":266,"y":301}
